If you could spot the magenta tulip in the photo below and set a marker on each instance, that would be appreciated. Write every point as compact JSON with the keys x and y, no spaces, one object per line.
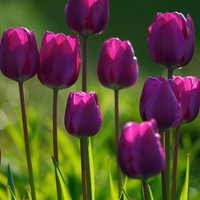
{"x":140,"y":153}
{"x":59,"y":60}
{"x":117,"y":65}
{"x":87,"y":16}
{"x":19,"y":56}
{"x":189,"y":90}
{"x":171,"y":40}
{"x":160,"y":100}
{"x":83,"y":117}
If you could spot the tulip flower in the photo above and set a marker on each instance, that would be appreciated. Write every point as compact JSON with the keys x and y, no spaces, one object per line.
{"x":117,"y":65}
{"x":87,"y":17}
{"x":83,"y":117}
{"x":171,"y":40}
{"x":160,"y":100}
{"x":189,"y":90}
{"x":59,"y":60}
{"x":140,"y":153}
{"x":19,"y":56}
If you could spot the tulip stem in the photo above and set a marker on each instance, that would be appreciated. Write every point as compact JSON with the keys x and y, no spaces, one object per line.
{"x":26,"y":140}
{"x":170,"y":73}
{"x":163,"y":174}
{"x":145,"y":189}
{"x":55,"y":140}
{"x":167,"y":153}
{"x":119,"y":174}
{"x":83,"y":169}
{"x":175,"y":161}
{"x":84,"y":70}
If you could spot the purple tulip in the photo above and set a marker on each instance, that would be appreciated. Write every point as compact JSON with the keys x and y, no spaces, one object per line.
{"x":171,"y":40}
{"x":59,"y":60}
{"x":189,"y":90}
{"x":140,"y":153}
{"x":83,"y":117}
{"x":19,"y":56}
{"x":117,"y":66}
{"x":160,"y":100}
{"x":87,"y":16}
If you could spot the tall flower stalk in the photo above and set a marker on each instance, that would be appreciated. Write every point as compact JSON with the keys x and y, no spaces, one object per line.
{"x":26,"y":140}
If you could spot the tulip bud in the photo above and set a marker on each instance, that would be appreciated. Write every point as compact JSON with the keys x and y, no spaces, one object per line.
{"x":160,"y":100}
{"x":83,"y":117}
{"x":117,"y":65}
{"x":87,"y":16}
{"x":189,"y":91}
{"x":59,"y":60}
{"x":19,"y":56}
{"x":140,"y":153}
{"x":171,"y":40}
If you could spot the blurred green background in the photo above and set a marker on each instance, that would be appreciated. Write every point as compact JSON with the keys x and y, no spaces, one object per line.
{"x":129,"y":20}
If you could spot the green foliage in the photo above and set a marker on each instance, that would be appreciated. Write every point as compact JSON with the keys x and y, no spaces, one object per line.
{"x":65,"y":190}
{"x":185,"y":191}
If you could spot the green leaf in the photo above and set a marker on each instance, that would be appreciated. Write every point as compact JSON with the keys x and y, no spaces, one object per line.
{"x":13,"y":197}
{"x":11,"y":186}
{"x":112,"y":188}
{"x":185,"y":190}
{"x":90,"y":157}
{"x":65,"y":190}
{"x":150,"y":193}
{"x":29,"y":193}
{"x":124,"y":194}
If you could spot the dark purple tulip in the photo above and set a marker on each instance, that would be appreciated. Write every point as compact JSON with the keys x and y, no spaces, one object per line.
{"x":87,"y":16}
{"x":189,"y":90}
{"x":83,"y":117}
{"x":117,"y":66}
{"x":160,"y":100}
{"x":59,"y":60}
{"x":140,"y":153}
{"x":19,"y":56}
{"x":171,"y":40}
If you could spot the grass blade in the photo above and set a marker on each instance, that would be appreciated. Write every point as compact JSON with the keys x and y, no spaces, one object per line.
{"x":13,"y":197}
{"x":65,"y":190}
{"x":29,"y":193}
{"x":150,"y":193}
{"x":185,"y":190}
{"x":90,"y":157}
{"x":11,"y":186}
{"x":112,"y":188}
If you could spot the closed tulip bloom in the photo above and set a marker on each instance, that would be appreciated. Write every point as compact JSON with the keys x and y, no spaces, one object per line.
{"x":87,"y":16}
{"x":117,"y":65}
{"x":160,"y":100}
{"x":19,"y":56}
{"x":171,"y":40}
{"x":83,"y":117}
{"x":140,"y":153}
{"x":59,"y":60}
{"x":189,"y":90}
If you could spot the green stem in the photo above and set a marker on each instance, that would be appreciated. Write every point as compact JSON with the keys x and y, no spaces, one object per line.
{"x":55,"y":140}
{"x":170,"y":73}
{"x":163,"y":173}
{"x":26,"y":140}
{"x":84,"y":70}
{"x":175,"y":161}
{"x":119,"y":174}
{"x":167,"y":153}
{"x":83,"y":169}
{"x":145,"y":189}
